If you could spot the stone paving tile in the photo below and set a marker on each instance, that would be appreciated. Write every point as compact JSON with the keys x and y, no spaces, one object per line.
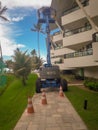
{"x":32,"y":126}
{"x":67,"y":128}
{"x":53,"y":128}
{"x":58,"y":114}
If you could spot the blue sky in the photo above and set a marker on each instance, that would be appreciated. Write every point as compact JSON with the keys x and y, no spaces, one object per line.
{"x":17,"y":33}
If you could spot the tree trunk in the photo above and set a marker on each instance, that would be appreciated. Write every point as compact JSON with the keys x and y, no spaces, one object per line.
{"x":24,"y":81}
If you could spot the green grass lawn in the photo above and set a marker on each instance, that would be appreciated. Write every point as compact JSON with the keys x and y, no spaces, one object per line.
{"x":13,"y":101}
{"x":9,"y":78}
{"x":90,"y":116}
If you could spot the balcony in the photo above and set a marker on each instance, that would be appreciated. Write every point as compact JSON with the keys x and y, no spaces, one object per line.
{"x":79,"y":37}
{"x":79,"y":54}
{"x":95,"y":37}
{"x":76,"y":7}
{"x":56,"y":33}
{"x":60,"y":61}
{"x":73,"y":15}
{"x":58,"y":51}
{"x":85,"y":58}
{"x":80,"y":59}
{"x":57,"y":36}
{"x":74,"y":54}
{"x":61,"y":66}
{"x":78,"y":30}
{"x":56,"y":46}
{"x":77,"y":14}
{"x":84,"y":61}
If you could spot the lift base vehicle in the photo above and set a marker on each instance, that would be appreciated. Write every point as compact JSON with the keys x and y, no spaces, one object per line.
{"x":49,"y":75}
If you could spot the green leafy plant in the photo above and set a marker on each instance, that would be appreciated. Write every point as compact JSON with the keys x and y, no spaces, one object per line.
{"x":91,"y":83}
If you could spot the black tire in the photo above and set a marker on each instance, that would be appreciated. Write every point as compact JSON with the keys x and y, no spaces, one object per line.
{"x":38,"y":86}
{"x":58,"y":80}
{"x":64,"y":84}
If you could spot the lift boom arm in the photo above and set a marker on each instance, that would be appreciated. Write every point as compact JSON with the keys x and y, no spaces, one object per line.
{"x":45,"y":15}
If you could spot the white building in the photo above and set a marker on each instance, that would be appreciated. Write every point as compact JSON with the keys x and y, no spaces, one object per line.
{"x":72,"y":47}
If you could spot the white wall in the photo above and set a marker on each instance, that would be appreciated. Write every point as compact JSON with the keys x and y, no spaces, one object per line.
{"x":93,"y":8}
{"x":78,"y":38}
{"x":95,"y":51}
{"x":61,"y":51}
{"x":83,"y":61}
{"x":91,"y":72}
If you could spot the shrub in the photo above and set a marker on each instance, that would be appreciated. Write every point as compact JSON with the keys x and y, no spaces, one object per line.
{"x":96,"y":86}
{"x":91,"y":83}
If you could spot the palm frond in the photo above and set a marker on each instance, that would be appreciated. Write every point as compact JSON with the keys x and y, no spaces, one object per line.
{"x":4,"y":18}
{"x":35,"y":26}
{"x":3,"y":10}
{"x":33,"y":30}
{"x":25,"y":52}
{"x":21,"y":69}
{"x":27,"y":60}
{"x":42,"y":31}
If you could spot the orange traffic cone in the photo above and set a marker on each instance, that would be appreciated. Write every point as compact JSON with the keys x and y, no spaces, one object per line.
{"x":43,"y":99}
{"x":30,"y":108}
{"x":61,"y":94}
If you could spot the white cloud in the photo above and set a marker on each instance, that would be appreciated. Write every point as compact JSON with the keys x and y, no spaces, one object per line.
{"x":8,"y":46}
{"x":5,"y":31}
{"x":16,"y":19}
{"x":43,"y":58}
{"x":26,"y":3}
{"x":17,"y":14}
{"x":9,"y":30}
{"x":7,"y":43}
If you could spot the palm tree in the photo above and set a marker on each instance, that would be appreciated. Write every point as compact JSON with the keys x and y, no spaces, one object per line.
{"x":9,"y":64}
{"x":36,"y":61}
{"x":2,"y":64}
{"x":22,"y":65}
{"x":37,"y":28}
{"x":2,"y":11}
{"x":33,"y":53}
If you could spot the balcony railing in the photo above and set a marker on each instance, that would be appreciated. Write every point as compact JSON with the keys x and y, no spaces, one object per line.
{"x":79,"y":54}
{"x":60,"y":61}
{"x":95,"y":37}
{"x":57,"y":33}
{"x":76,"y":7}
{"x":78,"y":30}
{"x":57,"y":47}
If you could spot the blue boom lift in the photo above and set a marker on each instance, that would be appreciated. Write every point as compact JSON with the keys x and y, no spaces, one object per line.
{"x":49,"y":74}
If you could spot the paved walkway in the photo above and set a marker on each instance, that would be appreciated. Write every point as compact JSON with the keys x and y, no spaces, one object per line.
{"x":58,"y":114}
